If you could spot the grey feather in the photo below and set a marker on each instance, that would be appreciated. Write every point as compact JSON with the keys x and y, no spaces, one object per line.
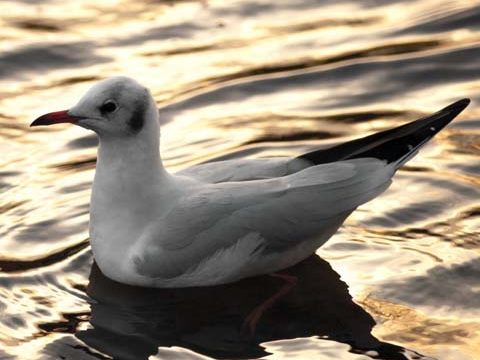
{"x":283,"y":211}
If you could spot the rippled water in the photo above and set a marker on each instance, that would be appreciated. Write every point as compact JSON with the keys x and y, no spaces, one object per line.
{"x":400,"y":280}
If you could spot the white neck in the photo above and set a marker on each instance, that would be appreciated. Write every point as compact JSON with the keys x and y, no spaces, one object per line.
{"x":132,"y":162}
{"x":128,"y":160}
{"x":131,"y":187}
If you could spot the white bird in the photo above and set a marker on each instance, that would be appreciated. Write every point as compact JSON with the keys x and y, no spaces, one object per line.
{"x":222,"y":221}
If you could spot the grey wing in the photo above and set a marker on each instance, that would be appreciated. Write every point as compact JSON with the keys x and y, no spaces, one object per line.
{"x":245,"y":169}
{"x":273,"y":214}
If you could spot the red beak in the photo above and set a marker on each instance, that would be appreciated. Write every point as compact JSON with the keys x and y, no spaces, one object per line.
{"x":56,"y":118}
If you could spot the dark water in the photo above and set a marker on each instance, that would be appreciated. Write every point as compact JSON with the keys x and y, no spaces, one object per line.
{"x":400,"y":280}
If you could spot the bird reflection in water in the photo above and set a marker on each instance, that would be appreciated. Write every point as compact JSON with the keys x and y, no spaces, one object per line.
{"x":131,"y":322}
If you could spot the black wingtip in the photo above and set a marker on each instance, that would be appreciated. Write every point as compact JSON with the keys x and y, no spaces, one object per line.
{"x":392,"y":144}
{"x":443,"y":117}
{"x":457,"y":107}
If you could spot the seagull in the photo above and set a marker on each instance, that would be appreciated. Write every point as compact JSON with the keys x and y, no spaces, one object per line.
{"x":219,"y":222}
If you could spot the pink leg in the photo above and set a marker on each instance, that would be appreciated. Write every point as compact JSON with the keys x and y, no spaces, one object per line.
{"x":251,"y":321}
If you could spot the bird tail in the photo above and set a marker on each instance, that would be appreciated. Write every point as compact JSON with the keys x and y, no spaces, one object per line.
{"x":396,"y":146}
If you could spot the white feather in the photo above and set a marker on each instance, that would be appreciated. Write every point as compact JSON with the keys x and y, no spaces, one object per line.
{"x":212,"y":223}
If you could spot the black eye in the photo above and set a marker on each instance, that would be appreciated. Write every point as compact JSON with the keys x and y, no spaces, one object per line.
{"x":108,"y":107}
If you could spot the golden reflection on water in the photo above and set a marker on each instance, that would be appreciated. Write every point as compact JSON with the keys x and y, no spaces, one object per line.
{"x":440,"y":337}
{"x":255,"y":79}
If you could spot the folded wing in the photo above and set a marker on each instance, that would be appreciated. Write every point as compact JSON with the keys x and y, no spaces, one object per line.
{"x":245,"y":169}
{"x":274,"y":214}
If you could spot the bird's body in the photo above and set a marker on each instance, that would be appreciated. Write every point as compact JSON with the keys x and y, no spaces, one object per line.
{"x":192,"y":232}
{"x":221,"y":221}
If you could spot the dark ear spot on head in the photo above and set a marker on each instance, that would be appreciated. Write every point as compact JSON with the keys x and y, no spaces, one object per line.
{"x":137,"y":119}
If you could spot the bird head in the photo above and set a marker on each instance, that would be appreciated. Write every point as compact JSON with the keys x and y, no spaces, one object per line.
{"x":117,"y":106}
